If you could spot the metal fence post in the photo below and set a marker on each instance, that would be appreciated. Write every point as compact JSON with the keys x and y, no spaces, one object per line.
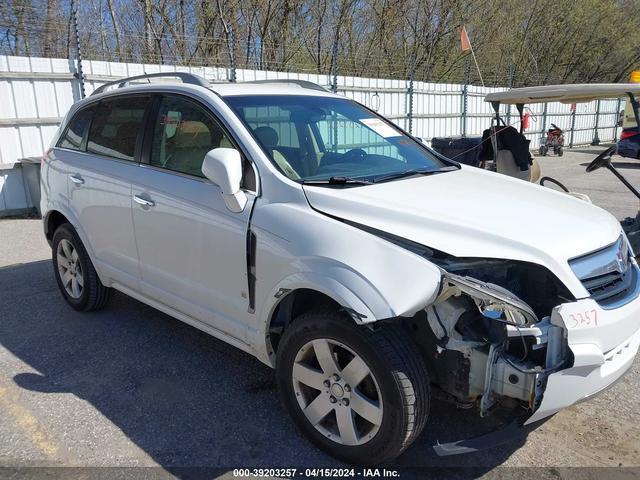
{"x":596,"y":138}
{"x":543,"y":126}
{"x":615,"y":125}
{"x":79,"y":74}
{"x":512,"y":74}
{"x":232,"y":55}
{"x":334,"y":66}
{"x":465,"y":98}
{"x":412,"y":69}
{"x":574,"y":107}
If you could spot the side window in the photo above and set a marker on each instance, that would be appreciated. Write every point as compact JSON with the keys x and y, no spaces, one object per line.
{"x":115,"y":127}
{"x":183,"y":134}
{"x":76,"y":129}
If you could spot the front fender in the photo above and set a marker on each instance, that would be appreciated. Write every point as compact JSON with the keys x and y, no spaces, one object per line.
{"x":362,"y":300}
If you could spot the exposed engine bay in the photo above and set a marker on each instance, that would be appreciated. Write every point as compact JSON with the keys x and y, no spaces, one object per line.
{"x":488,"y":339}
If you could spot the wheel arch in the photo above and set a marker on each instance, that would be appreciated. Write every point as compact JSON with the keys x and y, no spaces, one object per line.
{"x":293,"y":304}
{"x":55,"y":217}
{"x":52,"y":220}
{"x":304,"y":291}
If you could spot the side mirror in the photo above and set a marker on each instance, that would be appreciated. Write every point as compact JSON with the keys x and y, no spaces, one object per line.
{"x":223,"y":166}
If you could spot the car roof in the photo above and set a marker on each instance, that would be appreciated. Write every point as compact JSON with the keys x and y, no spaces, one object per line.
{"x":574,"y":93}
{"x":268,"y":88}
{"x":256,"y":87}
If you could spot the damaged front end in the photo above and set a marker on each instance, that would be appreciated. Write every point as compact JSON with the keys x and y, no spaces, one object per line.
{"x":485,"y":346}
{"x":489,"y":346}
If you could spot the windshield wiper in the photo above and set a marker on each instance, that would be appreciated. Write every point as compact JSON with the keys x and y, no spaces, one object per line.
{"x":338,"y":181}
{"x":409,"y":173}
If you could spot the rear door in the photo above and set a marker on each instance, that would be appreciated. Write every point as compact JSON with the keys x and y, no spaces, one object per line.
{"x":192,"y":248}
{"x":100,"y":185}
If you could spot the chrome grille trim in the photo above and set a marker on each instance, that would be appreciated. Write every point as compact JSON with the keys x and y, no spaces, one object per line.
{"x":610,"y":274}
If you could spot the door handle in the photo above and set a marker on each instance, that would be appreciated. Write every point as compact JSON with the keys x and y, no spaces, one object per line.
{"x":143,"y":201}
{"x":77,"y":179}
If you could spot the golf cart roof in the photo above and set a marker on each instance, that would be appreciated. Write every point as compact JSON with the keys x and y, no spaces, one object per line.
{"x":575,"y":93}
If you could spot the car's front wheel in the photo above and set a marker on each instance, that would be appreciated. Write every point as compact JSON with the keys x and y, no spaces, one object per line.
{"x":74,"y":272}
{"x":360,"y":394}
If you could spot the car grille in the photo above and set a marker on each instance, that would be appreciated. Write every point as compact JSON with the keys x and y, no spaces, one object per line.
{"x":610,"y":274}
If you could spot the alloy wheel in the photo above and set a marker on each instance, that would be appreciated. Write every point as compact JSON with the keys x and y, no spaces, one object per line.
{"x":69,"y":268}
{"x":337,"y":392}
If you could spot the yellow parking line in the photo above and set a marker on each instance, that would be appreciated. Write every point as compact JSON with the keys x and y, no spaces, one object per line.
{"x":28,"y":423}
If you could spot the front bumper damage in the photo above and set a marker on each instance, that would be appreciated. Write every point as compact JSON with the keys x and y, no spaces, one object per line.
{"x":600,"y":358}
{"x":569,"y":356}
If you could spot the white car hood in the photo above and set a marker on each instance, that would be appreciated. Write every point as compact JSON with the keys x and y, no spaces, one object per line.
{"x":476,"y":213}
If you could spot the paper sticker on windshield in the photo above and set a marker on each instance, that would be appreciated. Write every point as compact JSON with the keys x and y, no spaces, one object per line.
{"x":380,"y":127}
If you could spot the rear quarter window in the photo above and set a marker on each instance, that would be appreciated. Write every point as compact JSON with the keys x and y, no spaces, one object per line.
{"x":76,"y":129}
{"x":116,"y":126}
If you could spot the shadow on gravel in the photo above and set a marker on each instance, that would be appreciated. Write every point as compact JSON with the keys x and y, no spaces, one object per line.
{"x":185,"y":398}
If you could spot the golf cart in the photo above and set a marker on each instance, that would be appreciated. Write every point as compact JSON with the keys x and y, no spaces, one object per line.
{"x":569,"y":94}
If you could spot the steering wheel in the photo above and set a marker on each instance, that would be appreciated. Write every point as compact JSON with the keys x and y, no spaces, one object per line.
{"x":602,"y":160}
{"x":354,"y":154}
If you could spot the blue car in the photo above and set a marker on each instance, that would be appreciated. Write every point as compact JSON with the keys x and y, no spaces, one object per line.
{"x":629,"y":143}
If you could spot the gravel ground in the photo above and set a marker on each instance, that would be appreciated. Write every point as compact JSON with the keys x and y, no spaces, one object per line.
{"x":130,"y":386}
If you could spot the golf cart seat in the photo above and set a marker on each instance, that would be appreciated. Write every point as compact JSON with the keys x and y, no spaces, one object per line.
{"x":506,"y":164}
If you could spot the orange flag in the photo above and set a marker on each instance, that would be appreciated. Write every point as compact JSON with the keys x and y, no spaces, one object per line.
{"x":465,"y":43}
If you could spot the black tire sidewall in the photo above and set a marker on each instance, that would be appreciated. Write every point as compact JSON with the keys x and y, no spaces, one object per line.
{"x":390,"y":433}
{"x":66,"y":232}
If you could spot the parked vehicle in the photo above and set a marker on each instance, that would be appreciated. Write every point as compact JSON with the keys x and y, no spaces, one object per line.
{"x":307,"y":230}
{"x":553,"y":141}
{"x":629,"y":143}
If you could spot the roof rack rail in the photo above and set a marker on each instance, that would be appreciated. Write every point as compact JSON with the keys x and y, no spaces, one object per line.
{"x":302,"y":83}
{"x":186,"y":77}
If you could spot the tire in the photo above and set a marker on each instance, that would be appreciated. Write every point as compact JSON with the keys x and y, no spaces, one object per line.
{"x":541,"y":151}
{"x":396,"y":387}
{"x":80,"y":287}
{"x":560,"y":152}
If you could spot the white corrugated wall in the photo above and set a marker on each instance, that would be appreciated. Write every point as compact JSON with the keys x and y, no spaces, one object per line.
{"x":35,"y":93}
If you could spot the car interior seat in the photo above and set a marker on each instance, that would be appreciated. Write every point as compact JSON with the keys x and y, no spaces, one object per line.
{"x":269,"y":139}
{"x":125,"y":139}
{"x":188,"y":147}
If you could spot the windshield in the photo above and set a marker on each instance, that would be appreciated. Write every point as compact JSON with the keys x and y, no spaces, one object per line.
{"x":314,"y":139}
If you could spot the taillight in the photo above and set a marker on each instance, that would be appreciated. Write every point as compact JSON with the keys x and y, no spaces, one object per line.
{"x":628,"y":133}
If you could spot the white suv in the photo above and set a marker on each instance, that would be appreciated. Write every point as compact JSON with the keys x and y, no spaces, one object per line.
{"x":371,"y":272}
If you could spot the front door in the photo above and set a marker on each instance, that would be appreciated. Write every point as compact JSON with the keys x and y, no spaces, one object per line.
{"x":191,"y":247}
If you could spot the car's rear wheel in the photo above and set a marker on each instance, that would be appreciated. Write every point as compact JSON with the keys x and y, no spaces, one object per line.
{"x":74,"y":272}
{"x":362,"y":395}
